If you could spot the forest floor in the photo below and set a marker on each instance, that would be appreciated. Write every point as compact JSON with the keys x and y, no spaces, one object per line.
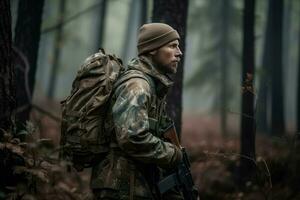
{"x":216,"y":159}
{"x":214,"y":163}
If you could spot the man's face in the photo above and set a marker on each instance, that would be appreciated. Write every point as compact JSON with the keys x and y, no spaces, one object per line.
{"x":166,"y":58}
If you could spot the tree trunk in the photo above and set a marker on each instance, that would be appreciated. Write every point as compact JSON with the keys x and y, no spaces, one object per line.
{"x":144,"y":12}
{"x":136,"y":17}
{"x":102,"y":20}
{"x":132,"y":23}
{"x":287,"y":34}
{"x":264,"y":85}
{"x":57,"y":48}
{"x":272,"y":65}
{"x":174,"y":13}
{"x":7,"y":74}
{"x":247,"y":166}
{"x":277,"y":117}
{"x":298,"y":89}
{"x":27,"y":37}
{"x":224,"y":65}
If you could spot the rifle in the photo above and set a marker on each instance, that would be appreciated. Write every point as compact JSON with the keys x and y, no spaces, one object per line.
{"x":182,"y":176}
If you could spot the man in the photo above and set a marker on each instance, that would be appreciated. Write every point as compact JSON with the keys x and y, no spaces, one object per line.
{"x":136,"y":119}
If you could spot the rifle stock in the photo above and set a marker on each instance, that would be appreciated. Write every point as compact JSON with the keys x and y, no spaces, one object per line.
{"x":171,"y":136}
{"x":182,"y":176}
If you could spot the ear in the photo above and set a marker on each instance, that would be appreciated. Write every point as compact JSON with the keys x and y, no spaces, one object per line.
{"x":152,"y":53}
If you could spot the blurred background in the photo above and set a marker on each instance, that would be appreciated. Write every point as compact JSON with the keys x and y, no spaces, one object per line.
{"x":113,"y":25}
{"x":71,"y":30}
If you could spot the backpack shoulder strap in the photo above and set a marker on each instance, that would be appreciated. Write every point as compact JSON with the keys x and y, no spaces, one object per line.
{"x":133,"y":73}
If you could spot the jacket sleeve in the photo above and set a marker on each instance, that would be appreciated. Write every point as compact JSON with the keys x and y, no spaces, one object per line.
{"x":130,"y":116}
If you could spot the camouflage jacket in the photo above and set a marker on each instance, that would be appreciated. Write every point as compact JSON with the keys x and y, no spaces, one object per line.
{"x":135,"y":120}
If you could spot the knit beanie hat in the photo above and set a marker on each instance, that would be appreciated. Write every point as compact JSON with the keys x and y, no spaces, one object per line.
{"x":155,"y":35}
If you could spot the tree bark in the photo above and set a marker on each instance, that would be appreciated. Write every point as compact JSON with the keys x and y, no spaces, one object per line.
{"x":277,"y":117}
{"x":7,"y":73}
{"x":174,"y":13}
{"x":298,"y":89}
{"x":247,"y":166}
{"x":271,"y":84}
{"x":27,"y":37}
{"x":144,"y":12}
{"x":264,"y":85}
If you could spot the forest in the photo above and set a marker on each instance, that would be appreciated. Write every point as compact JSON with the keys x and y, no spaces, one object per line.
{"x":235,"y":98}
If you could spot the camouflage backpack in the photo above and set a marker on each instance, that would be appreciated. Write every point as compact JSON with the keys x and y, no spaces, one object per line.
{"x":83,"y":138}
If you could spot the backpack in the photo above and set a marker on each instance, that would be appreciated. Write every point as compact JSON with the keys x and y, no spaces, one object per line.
{"x":83,"y":138}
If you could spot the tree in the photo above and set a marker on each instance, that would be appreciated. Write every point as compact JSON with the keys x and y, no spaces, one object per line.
{"x":263,"y":93}
{"x":57,"y":47}
{"x":7,"y":73}
{"x":298,"y":88}
{"x":136,"y":17}
{"x":287,"y":33}
{"x":224,"y":63}
{"x":102,"y":20}
{"x":174,"y":13}
{"x":27,"y":37}
{"x":272,"y":59}
{"x":144,"y":12}
{"x":247,"y":119}
{"x":277,"y":117}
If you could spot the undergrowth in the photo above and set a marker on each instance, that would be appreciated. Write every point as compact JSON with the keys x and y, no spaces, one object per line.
{"x":32,"y":170}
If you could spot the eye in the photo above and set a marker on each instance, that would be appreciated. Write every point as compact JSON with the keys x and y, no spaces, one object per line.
{"x":174,"y":46}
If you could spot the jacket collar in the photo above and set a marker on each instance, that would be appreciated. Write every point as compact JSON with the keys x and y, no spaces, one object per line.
{"x":144,"y":64}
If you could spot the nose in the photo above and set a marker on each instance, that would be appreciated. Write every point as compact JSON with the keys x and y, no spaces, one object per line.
{"x":178,"y":52}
